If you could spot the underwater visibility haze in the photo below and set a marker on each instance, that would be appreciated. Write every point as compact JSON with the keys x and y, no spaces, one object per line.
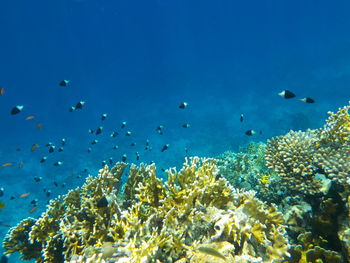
{"x":174,"y":131}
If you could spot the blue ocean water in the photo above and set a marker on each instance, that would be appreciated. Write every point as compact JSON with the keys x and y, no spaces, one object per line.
{"x":136,"y":61}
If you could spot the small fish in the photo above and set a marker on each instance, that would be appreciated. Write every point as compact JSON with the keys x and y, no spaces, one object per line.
{"x":64,"y":83}
{"x":2,"y":191}
{"x":104,"y":116}
{"x":250,"y":132}
{"x":85,"y":170}
{"x":128,"y":133}
{"x":212,"y":252}
{"x":55,"y":183}
{"x":39,"y":126}
{"x":103,"y":163}
{"x":48,"y":193}
{"x":99,"y":130}
{"x":307,"y":100}
{"x":20,"y":165}
{"x":124,"y":158}
{"x":159,"y":129}
{"x":60,"y":149}
{"x":34,"y":201}
{"x":110,"y":160}
{"x":52,"y":148}
{"x":79,"y":105}
{"x":115,"y":147}
{"x":241,"y":118}
{"x":17,"y":109}
{"x":58,"y":163}
{"x":133,"y":144}
{"x":63,"y":185}
{"x":186,"y":125}
{"x":91,"y":131}
{"x":114,"y":134}
{"x":34,"y":146}
{"x":89,"y":150}
{"x":71,"y":109}
{"x":24,"y":195}
{"x":137,"y":156}
{"x":18,"y":149}
{"x":49,"y":144}
{"x":2,"y":205}
{"x":165,"y":147}
{"x":29,"y":118}
{"x":94,"y":142}
{"x":43,"y":159}
{"x":147,"y":142}
{"x":37,"y":178}
{"x":123,"y":124}
{"x":33,"y":209}
{"x":183,"y":105}
{"x":6,"y":164}
{"x":2,"y":91}
{"x":12,"y":197}
{"x":63,"y":142}
{"x":286,"y":94}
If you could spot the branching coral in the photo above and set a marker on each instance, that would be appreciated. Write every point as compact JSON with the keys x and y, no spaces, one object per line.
{"x":299,"y":156}
{"x":193,"y":213}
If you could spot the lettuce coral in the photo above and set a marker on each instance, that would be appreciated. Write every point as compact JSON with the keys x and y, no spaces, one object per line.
{"x":195,"y":214}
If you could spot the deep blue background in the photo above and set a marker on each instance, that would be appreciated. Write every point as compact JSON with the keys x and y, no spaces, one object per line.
{"x":137,"y":60}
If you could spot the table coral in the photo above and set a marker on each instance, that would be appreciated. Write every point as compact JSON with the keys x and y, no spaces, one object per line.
{"x":159,"y":222}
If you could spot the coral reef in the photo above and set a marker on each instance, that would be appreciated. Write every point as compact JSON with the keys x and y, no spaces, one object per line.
{"x":303,"y":159}
{"x":196,"y":216}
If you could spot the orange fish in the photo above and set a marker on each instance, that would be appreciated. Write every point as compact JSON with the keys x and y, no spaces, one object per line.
{"x":38,"y":126}
{"x":20,"y":165}
{"x":2,"y":91}
{"x":30,"y":118}
{"x":24,"y":195}
{"x":34,"y":146}
{"x":33,"y":209}
{"x":6,"y":164}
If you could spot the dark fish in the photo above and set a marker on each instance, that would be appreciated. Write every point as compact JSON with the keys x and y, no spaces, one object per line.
{"x":250,"y":132}
{"x":34,"y":201}
{"x":17,"y":109}
{"x":128,"y":133}
{"x":55,"y":183}
{"x":307,"y":100}
{"x":183,"y":105}
{"x":137,"y":156}
{"x":186,"y":125}
{"x":37,"y":178}
{"x":49,"y":144}
{"x":124,"y":158}
{"x":133,"y":144}
{"x":104,"y":163}
{"x":114,"y":134}
{"x":60,"y":149}
{"x":147,"y":142}
{"x":63,"y":142}
{"x":2,"y":191}
{"x":18,"y":149}
{"x":110,"y":160}
{"x":241,"y":118}
{"x":71,"y":109}
{"x":58,"y":163}
{"x":63,"y":185}
{"x":91,"y":131}
{"x":104,"y":116}
{"x":89,"y":150}
{"x":115,"y":147}
{"x":43,"y":159}
{"x":286,"y":94}
{"x":12,"y":197}
{"x":64,"y":83}
{"x":79,"y":105}
{"x":94,"y":142}
{"x":165,"y":147}
{"x":48,"y":193}
{"x":103,"y":202}
{"x":99,"y":130}
{"x":159,"y":129}
{"x":52,"y":148}
{"x":123,"y":124}
{"x":85,"y":170}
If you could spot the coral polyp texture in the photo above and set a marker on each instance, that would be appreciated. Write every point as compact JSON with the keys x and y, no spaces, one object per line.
{"x":305,"y":159}
{"x":195,"y":216}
